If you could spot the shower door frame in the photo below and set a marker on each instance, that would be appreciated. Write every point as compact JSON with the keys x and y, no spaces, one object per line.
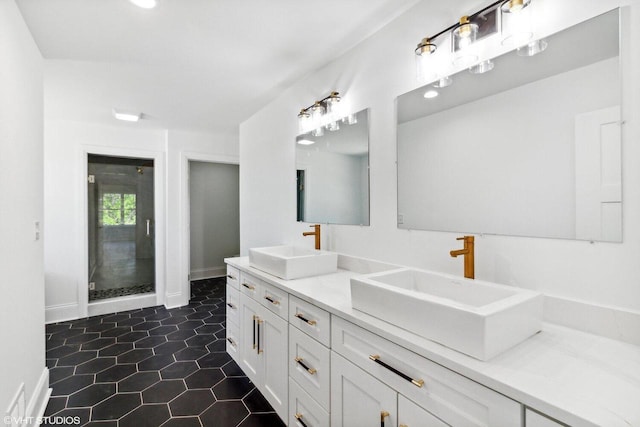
{"x":132,"y":301}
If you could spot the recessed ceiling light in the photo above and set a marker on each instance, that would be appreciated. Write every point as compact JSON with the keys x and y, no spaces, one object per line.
{"x":431,"y":93}
{"x":303,"y":140}
{"x":145,"y":4}
{"x":126,"y":115}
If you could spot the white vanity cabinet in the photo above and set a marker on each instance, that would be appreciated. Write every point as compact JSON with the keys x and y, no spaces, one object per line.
{"x":534,"y":419}
{"x":448,"y":396}
{"x":263,"y":354}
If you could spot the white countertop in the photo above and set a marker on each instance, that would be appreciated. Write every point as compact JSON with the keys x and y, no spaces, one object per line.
{"x":575,"y":377}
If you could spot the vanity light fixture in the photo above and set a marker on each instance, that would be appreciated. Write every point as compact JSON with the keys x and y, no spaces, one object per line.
{"x":126,"y":115}
{"x":145,"y":4}
{"x":321,"y":115}
{"x":515,"y":25}
{"x":443,"y":82}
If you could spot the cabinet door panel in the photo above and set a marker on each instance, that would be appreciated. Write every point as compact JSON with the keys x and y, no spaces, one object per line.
{"x":358,"y":399}
{"x":309,"y":365}
{"x":411,"y":415}
{"x":304,"y":410}
{"x":273,"y":354}
{"x":249,"y":362}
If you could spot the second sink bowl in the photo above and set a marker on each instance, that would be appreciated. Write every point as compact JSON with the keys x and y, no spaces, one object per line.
{"x":292,"y":262}
{"x":477,"y":318}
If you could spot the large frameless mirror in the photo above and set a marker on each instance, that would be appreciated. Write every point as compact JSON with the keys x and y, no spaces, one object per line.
{"x":332,"y":173}
{"x":532,"y":148}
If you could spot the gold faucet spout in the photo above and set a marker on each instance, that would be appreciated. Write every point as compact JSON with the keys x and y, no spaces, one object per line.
{"x":316,"y":233}
{"x":468,"y":252}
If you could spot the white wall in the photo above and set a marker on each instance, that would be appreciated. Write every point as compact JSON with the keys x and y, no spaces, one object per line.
{"x":65,"y":212}
{"x":516,"y":174}
{"x":21,"y":256}
{"x":372,"y":76}
{"x":215,"y":217}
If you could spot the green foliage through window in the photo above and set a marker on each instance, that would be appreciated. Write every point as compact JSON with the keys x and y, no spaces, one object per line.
{"x":118,"y":209}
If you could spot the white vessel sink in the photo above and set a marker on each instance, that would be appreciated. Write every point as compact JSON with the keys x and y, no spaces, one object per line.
{"x":477,"y":318}
{"x":291,"y":262}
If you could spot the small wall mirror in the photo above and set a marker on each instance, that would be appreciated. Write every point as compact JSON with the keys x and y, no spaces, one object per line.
{"x":332,"y":173}
{"x":531,"y":148}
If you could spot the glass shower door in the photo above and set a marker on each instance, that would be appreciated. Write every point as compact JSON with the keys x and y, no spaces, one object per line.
{"x":121,"y":227}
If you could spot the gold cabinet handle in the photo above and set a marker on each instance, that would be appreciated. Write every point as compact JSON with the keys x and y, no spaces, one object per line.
{"x":383,"y":415}
{"x":259,"y":323}
{"x":231,"y":305}
{"x":232,"y":342}
{"x":403,"y":425}
{"x":300,"y":361}
{"x":231,"y":277}
{"x":251,"y":288}
{"x":254,"y":331}
{"x":417,"y":383}
{"x":304,"y":319}
{"x":271,"y":300}
{"x":298,"y":418}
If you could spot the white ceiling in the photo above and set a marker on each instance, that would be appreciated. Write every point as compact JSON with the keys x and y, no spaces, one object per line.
{"x":189,"y":64}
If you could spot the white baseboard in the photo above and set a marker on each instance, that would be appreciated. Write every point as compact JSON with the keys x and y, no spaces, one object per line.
{"x":207,"y":273}
{"x":611,"y":322}
{"x":125,"y":303}
{"x":61,"y":312}
{"x":40,"y":397}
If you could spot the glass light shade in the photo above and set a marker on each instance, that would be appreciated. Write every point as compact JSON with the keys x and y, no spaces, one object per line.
{"x":425,"y":65}
{"x":304,"y":122}
{"x":463,"y":38}
{"x":304,"y":140}
{"x":317,"y":116}
{"x":333,"y":106}
{"x":532,"y":48}
{"x":351,"y":119}
{"x":517,"y":28}
{"x":333,"y":126}
{"x":482,"y":67}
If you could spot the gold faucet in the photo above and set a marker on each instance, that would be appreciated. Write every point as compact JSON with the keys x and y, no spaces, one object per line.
{"x":467,"y":251}
{"x":315,"y":232}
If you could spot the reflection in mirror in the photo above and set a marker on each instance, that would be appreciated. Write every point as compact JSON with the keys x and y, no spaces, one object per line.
{"x":332,"y":173}
{"x":531,"y":148}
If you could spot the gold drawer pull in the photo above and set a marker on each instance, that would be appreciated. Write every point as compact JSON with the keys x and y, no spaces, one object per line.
{"x":271,"y":300}
{"x":251,"y":288}
{"x":231,"y":342}
{"x":311,"y":371}
{"x":417,"y":383}
{"x":304,"y":319}
{"x":231,"y":277}
{"x":383,"y":415}
{"x":231,"y":305}
{"x":403,"y":425}
{"x":299,"y":419}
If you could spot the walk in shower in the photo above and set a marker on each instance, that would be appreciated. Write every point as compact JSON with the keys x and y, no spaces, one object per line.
{"x":121,"y":226}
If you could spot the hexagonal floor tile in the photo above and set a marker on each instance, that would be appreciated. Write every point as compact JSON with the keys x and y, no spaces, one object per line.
{"x":99,"y":344}
{"x":191,"y":353}
{"x":151,"y":342}
{"x":135,"y":356}
{"x":163,"y":392}
{"x":139,"y":381}
{"x":96,"y":365}
{"x":91,"y":395}
{"x":116,"y":349}
{"x":191,"y":402}
{"x":204,"y":378}
{"x":214,"y":360}
{"x":72,"y":384}
{"x":77,"y":358}
{"x":224,"y":414}
{"x":233,"y":388}
{"x":156,"y":363}
{"x":146,"y":415}
{"x":116,"y":406}
{"x":178,"y":370}
{"x":115,"y":373}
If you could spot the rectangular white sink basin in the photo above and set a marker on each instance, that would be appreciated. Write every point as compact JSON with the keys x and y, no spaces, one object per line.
{"x":291,"y":262}
{"x":477,"y":318}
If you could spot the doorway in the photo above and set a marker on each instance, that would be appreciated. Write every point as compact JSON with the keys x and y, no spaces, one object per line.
{"x":121,"y":223}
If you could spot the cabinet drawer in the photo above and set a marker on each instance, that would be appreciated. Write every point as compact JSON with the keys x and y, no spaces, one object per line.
{"x":310,"y":319}
{"x":233,"y":276}
{"x":233,"y":343}
{"x":250,"y":285}
{"x":274,"y":299}
{"x":451,"y":397}
{"x":411,"y":415}
{"x":303,"y":410}
{"x":233,"y":305}
{"x":309,"y":365}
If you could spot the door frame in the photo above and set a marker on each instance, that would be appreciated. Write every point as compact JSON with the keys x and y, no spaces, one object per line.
{"x":185,"y":216}
{"x":132,"y":302}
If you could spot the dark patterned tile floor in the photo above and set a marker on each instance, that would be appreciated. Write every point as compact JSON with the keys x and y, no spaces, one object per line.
{"x":153,"y":367}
